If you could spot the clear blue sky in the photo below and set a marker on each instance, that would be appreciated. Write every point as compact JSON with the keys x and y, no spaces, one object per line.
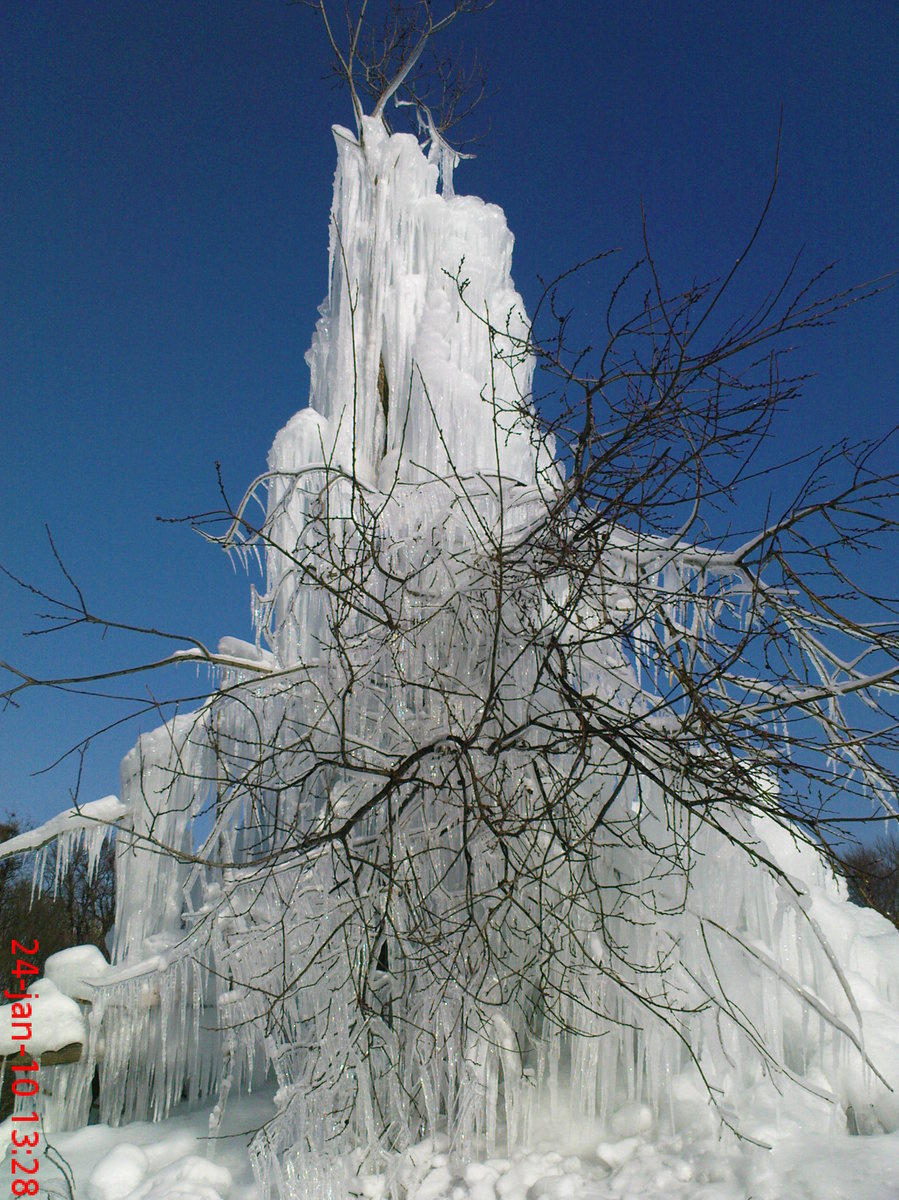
{"x":163,"y":238}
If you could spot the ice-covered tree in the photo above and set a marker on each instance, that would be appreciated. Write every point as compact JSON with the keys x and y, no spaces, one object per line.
{"x":511,"y":801}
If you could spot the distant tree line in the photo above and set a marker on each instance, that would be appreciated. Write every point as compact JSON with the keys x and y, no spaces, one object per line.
{"x":872,"y":874}
{"x":79,"y":910}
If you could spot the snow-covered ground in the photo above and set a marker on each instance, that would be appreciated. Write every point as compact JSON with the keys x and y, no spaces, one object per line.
{"x":628,"y":1160}
{"x":165,"y":1161}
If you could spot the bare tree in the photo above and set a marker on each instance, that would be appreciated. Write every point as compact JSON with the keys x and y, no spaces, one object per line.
{"x":872,"y":873}
{"x":494,"y":796}
{"x":396,"y":59}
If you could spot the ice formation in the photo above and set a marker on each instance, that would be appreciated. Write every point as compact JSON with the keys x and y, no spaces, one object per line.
{"x":308,"y":885}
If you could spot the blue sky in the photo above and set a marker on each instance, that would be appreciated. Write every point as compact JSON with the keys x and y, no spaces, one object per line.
{"x":164,"y":195}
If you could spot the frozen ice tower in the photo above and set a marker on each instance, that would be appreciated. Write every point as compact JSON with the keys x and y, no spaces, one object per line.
{"x":404,"y":370}
{"x":380,"y":865}
{"x":420,"y":365}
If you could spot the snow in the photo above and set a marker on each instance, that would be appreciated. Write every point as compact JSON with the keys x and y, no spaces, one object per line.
{"x":169,"y":1160}
{"x":105,"y":813}
{"x":118,"y":1173}
{"x":631,"y":1119}
{"x":75,"y":971}
{"x":165,"y":1161}
{"x":125,"y":1174}
{"x":55,"y":1021}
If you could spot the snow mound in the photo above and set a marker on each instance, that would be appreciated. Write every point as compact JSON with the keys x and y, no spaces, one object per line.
{"x":76,"y":971}
{"x":54,"y":1020}
{"x":125,"y":1174}
{"x":667,"y":1169}
{"x":118,"y":1173}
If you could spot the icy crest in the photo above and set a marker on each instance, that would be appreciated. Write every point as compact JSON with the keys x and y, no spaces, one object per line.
{"x":415,"y":277}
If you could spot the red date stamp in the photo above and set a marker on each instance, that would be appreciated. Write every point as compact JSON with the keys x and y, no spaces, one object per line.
{"x":25,"y":1125}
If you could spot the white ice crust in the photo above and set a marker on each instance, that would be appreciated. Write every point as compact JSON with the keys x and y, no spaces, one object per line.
{"x":55,"y":1021}
{"x":125,"y":1174}
{"x":96,"y":817}
{"x":77,"y":970}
